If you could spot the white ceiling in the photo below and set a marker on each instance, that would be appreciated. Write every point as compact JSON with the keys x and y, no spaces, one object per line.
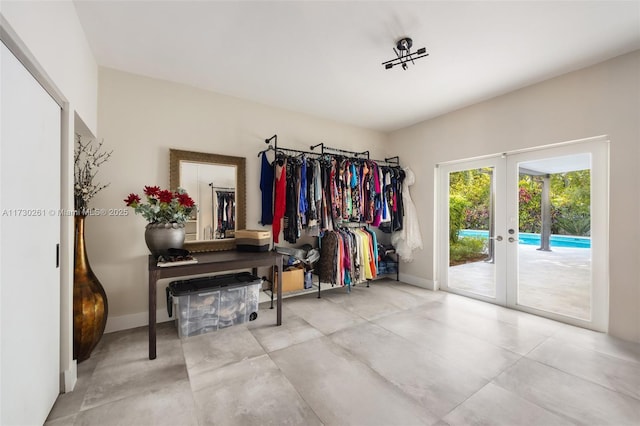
{"x":324,"y":58}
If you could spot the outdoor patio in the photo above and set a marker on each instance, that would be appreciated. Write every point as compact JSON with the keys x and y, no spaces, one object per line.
{"x":557,"y":281}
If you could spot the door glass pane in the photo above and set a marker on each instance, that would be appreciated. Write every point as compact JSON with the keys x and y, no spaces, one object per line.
{"x":471,"y":224}
{"x":554,"y":244}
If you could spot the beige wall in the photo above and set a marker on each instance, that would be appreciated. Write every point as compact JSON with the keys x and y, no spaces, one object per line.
{"x":600,"y":100}
{"x":52,"y":32}
{"x":140,"y":119}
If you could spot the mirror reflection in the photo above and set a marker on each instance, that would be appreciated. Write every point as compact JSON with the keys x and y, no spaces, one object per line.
{"x":217,"y":183}
{"x":213,"y":187}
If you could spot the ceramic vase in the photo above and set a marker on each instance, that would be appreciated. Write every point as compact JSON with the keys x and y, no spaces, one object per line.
{"x":90,"y":307}
{"x":160,"y":237}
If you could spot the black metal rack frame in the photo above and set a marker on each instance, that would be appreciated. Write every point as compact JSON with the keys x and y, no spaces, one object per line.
{"x":324,"y":151}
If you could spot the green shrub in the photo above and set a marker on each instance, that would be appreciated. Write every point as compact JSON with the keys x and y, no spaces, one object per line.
{"x":457,"y":213}
{"x":574,"y":224}
{"x":467,"y":249}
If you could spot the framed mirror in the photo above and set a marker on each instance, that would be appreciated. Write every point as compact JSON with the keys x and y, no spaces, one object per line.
{"x":217,"y":184}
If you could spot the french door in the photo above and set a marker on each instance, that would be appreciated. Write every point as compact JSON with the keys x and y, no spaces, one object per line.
{"x":529,"y":231}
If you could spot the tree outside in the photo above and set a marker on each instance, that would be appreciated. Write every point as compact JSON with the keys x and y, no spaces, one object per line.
{"x":469,"y":193}
{"x":570,"y":197}
{"x":469,"y":201}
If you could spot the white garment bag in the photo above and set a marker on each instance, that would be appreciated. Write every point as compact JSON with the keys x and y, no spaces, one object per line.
{"x":409,"y":237}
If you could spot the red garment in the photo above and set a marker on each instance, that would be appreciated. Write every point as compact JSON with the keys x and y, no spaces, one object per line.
{"x":280,"y":199}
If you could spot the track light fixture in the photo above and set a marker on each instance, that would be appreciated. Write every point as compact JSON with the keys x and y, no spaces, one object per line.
{"x":404,"y":55}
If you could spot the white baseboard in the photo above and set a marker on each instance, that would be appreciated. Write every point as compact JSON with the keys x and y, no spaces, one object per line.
{"x":418,"y":282}
{"x":70,"y":377}
{"x":125,"y":322}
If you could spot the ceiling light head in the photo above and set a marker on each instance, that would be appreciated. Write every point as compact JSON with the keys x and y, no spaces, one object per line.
{"x":404,"y":44}
{"x":404,"y":55}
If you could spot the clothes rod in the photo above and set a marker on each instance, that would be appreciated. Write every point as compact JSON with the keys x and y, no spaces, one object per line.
{"x":298,"y":151}
{"x":277,"y":149}
{"x":343,"y":151}
{"x":395,"y":161}
{"x":221,"y":188}
{"x":390,"y":160}
{"x":284,"y":150}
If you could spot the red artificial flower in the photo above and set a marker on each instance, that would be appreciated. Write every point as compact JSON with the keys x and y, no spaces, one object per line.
{"x":151,"y":190}
{"x":185,"y":200}
{"x":132,"y":199}
{"x":165,"y":196}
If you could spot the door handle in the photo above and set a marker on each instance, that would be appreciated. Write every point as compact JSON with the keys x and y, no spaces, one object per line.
{"x":498,"y":238}
{"x":511,"y":239}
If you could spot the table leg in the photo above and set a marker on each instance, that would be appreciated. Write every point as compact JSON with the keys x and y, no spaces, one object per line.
{"x":279,"y":304}
{"x":152,"y":314}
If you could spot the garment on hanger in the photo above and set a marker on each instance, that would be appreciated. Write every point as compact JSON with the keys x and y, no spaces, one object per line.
{"x":327,"y":265}
{"x":280,"y":195}
{"x":291,"y":217}
{"x":303,"y":191}
{"x":409,"y":237}
{"x":266,"y":187}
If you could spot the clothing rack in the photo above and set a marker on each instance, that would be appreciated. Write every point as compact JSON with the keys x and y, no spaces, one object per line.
{"x":337,"y":150}
{"x":391,"y":160}
{"x":327,"y":151}
{"x":274,"y":147}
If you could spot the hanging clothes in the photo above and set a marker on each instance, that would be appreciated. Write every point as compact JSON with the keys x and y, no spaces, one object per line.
{"x":280,"y":195}
{"x":397,"y":177}
{"x":348,"y":256}
{"x":225,"y":212}
{"x":327,"y":220}
{"x":266,"y":187}
{"x":409,"y":238}
{"x":385,"y":220}
{"x":327,"y":265}
{"x":377,"y":196}
{"x":326,"y":196}
{"x":291,"y":217}
{"x":355,"y":193}
{"x":303,"y":191}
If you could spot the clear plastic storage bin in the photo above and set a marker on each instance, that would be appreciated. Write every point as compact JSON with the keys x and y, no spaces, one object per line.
{"x":207,"y":304}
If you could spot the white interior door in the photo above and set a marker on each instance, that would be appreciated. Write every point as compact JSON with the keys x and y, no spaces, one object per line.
{"x":511,"y":204}
{"x":30,"y":229}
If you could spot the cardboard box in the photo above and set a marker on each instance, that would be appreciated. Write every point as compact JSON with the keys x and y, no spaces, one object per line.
{"x":292,"y":280}
{"x":253,"y":233}
{"x":253,"y":240}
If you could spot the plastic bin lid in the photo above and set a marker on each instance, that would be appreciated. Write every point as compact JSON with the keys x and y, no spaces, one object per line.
{"x":197,"y":285}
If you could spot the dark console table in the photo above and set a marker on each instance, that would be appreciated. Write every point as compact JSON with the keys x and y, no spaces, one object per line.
{"x":209,"y":263}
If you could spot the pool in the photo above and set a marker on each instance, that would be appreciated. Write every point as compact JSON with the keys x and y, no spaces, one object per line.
{"x":534,"y":239}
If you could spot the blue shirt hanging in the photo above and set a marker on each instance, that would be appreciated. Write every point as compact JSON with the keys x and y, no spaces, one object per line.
{"x":266,"y":186}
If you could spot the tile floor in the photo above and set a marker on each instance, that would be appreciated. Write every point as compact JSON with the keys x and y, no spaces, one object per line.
{"x":391,"y":354}
{"x":565,"y":288}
